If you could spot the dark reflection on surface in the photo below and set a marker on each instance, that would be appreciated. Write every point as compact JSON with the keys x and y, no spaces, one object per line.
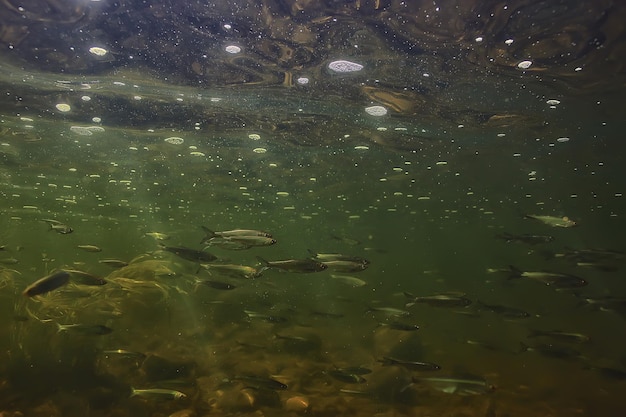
{"x":442,"y":183}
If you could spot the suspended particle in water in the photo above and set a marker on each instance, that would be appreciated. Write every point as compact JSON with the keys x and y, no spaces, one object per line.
{"x":259,"y":150}
{"x":302,"y":80}
{"x":254,"y":136}
{"x":376,"y":111}
{"x":561,"y":140}
{"x":343,"y":66}
{"x":553,"y":102}
{"x":174,"y":140}
{"x":232,"y":49}
{"x":96,"y":50}
{"x":63,"y":107}
{"x":524,"y":64}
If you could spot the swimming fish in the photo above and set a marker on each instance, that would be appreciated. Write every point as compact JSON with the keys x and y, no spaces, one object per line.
{"x":90,"y":248}
{"x":58,"y":227}
{"x":456,"y":385}
{"x":553,"y":221}
{"x":47,"y":283}
{"x":554,"y":279}
{"x":232,"y":233}
{"x":525,"y":238}
{"x":157,"y":392}
{"x":190,"y":254}
{"x":302,"y":266}
{"x":85,"y":329}
{"x":410,"y":365}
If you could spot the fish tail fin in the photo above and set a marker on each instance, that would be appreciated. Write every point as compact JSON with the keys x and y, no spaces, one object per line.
{"x":385,"y":361}
{"x":547,"y":254}
{"x":514,"y":272}
{"x":61,"y":328}
{"x":312,"y":253}
{"x":523,"y":347}
{"x":265,"y":263}
{"x":210,"y":234}
{"x":507,"y":237}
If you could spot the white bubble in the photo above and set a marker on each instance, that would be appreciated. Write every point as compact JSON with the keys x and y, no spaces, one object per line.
{"x":85,"y":98}
{"x":479,"y":39}
{"x":232,"y":49}
{"x":96,"y":119}
{"x":63,"y":107}
{"x":302,"y":80}
{"x":175,"y":140}
{"x":344,"y":66}
{"x":376,"y":110}
{"x":96,"y":50}
{"x":524,"y":64}
{"x":509,"y":41}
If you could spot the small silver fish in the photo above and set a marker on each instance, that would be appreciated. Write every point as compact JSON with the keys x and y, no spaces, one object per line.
{"x":157,"y":235}
{"x":232,"y":233}
{"x":85,"y":329}
{"x":553,"y":221}
{"x":295,"y":265}
{"x":234,"y":271}
{"x":89,"y":248}
{"x":58,"y":227}
{"x":348,"y":280}
{"x":410,"y":365}
{"x":157,"y":392}
{"x":454,"y":385}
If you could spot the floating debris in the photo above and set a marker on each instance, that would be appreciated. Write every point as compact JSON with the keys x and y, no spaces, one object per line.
{"x":63,"y":107}
{"x":232,"y":49}
{"x":342,"y":66}
{"x":96,"y":50}
{"x":175,"y":140}
{"x":376,"y":111}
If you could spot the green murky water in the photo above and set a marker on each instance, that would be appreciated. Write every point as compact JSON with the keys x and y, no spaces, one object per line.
{"x":136,"y":154}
